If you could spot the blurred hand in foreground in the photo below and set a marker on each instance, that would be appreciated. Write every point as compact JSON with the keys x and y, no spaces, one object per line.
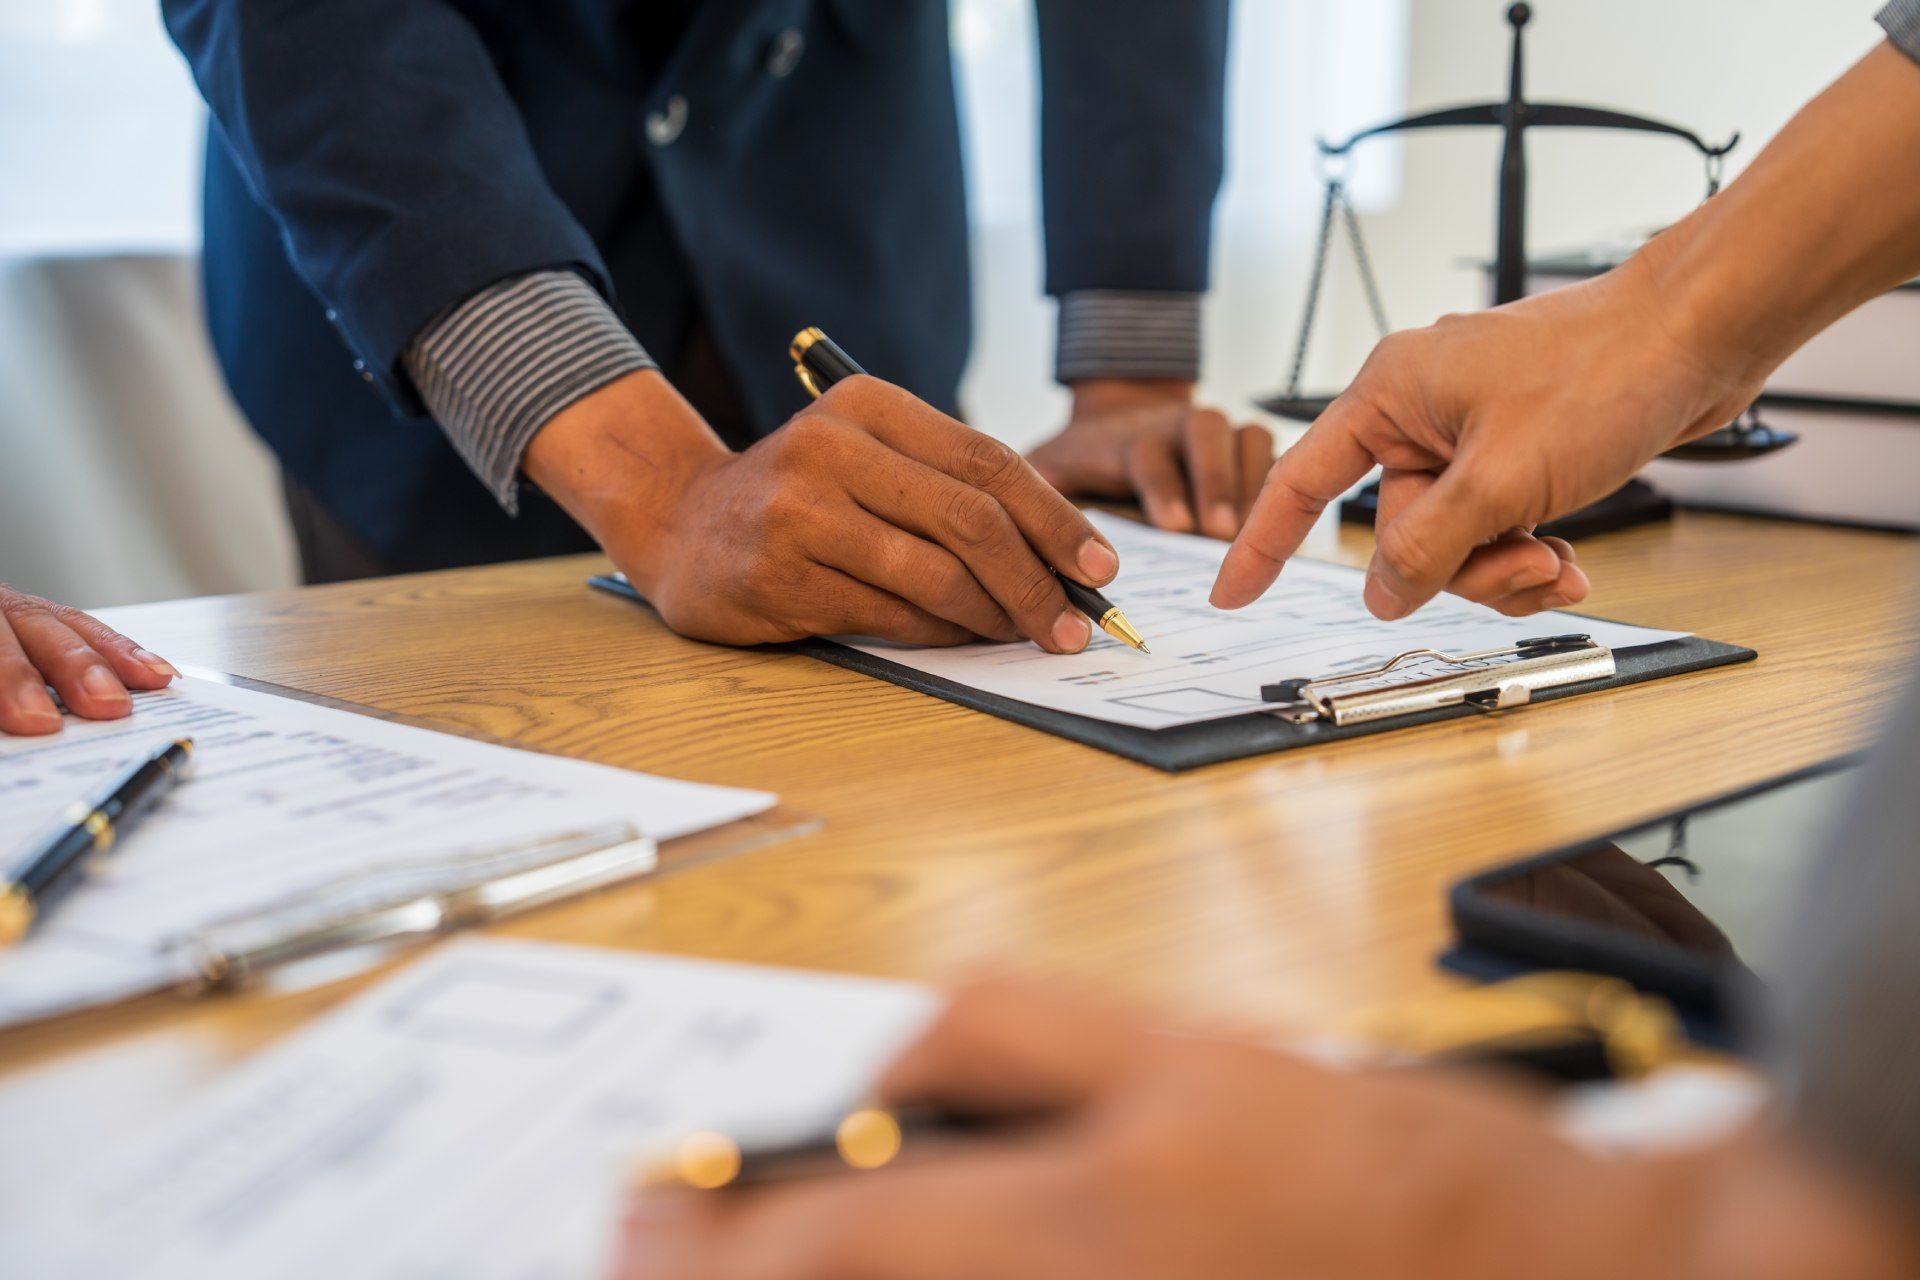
{"x":1144,"y":1156}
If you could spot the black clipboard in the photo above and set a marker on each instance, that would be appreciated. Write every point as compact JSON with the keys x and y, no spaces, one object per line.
{"x":1215,"y":741}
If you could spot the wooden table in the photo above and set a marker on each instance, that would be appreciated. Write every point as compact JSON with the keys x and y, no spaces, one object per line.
{"x":1278,"y":892}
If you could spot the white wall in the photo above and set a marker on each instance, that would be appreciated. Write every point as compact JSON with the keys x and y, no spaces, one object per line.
{"x":100,"y":130}
{"x":1714,"y":66}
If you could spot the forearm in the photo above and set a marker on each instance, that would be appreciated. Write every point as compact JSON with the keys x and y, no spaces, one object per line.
{"x":617,"y":460}
{"x":536,"y":377}
{"x":498,"y":367}
{"x":1757,"y":1205}
{"x":1826,"y":218}
{"x":1766,"y":1207}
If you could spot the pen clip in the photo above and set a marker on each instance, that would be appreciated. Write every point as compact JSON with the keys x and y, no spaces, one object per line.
{"x":805,"y":375}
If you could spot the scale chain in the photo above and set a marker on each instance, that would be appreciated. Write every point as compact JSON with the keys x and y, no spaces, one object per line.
{"x":1313,"y":289}
{"x":1337,"y":205}
{"x":1365,"y":262}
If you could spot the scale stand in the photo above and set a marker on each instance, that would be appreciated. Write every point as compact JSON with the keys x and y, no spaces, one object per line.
{"x":1638,"y":502}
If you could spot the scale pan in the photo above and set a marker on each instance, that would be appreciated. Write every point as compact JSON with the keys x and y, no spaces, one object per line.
{"x":1734,"y":443}
{"x":1296,"y":408}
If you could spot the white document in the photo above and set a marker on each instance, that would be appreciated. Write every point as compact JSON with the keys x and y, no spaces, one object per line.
{"x":1208,"y":664}
{"x":286,"y":798}
{"x":477,"y":1116}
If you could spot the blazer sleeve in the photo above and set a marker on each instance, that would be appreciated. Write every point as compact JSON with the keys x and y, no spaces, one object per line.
{"x":1132,"y":138}
{"x":383,"y":143}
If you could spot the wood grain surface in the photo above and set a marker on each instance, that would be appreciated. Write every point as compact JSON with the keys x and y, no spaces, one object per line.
{"x":1278,"y":893}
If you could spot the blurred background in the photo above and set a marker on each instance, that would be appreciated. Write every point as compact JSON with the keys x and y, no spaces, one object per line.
{"x":126,"y":476}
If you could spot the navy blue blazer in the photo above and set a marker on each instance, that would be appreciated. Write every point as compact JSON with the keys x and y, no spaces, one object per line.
{"x":372,"y":162}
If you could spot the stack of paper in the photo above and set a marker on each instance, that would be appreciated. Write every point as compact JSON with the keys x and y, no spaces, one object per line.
{"x":479,"y":1115}
{"x":286,"y":798}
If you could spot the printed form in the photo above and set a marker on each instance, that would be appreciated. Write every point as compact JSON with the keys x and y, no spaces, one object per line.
{"x":479,"y":1115}
{"x":286,"y":799}
{"x":1208,"y":664}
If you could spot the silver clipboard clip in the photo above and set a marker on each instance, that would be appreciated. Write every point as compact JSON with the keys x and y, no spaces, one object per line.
{"x":409,"y":902}
{"x":1428,"y":680}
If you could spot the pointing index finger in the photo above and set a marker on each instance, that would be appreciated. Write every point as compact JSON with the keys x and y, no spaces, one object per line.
{"x":1325,"y":463}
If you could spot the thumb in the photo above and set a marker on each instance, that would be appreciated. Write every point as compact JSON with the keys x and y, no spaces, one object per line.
{"x":1419,"y":550}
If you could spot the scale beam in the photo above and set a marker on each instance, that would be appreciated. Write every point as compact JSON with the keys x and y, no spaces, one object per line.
{"x":1538,"y":115}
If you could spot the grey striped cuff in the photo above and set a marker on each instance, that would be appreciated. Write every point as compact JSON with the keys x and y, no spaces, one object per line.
{"x":494,"y":369}
{"x":1108,"y":333}
{"x":1902,"y":22}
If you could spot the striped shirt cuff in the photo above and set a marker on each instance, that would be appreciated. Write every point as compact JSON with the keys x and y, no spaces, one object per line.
{"x":1108,"y":333}
{"x":496,"y":368}
{"x":1902,"y":22}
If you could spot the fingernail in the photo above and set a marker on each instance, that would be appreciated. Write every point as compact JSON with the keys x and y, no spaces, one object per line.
{"x":158,"y":663}
{"x":1071,"y":631}
{"x":1175,"y":515}
{"x":1529,"y":578}
{"x":1383,"y":602}
{"x":1558,"y":600}
{"x":1098,"y":561}
{"x":102,"y":684}
{"x":36,"y":708}
{"x":1222,"y":519}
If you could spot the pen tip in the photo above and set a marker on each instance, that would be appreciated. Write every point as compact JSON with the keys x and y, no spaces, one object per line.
{"x":1116,"y":625}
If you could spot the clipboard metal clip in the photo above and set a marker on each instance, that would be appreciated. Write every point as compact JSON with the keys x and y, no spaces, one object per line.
{"x":387,"y":907}
{"x":1429,"y":680}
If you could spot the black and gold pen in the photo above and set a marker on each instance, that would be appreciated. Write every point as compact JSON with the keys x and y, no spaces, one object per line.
{"x":819,"y":362}
{"x":864,"y":1139}
{"x":52,"y":866}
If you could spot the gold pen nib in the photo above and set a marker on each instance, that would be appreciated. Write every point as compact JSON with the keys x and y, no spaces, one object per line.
{"x":1115,"y":624}
{"x":16,"y":914}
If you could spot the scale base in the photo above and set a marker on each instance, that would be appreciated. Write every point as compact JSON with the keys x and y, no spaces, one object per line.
{"x":1635,"y":504}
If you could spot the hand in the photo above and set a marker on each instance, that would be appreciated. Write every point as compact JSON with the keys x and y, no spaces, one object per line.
{"x":1160,"y":1157}
{"x":1146,"y":439}
{"x":869,"y":513}
{"x":1152,"y":1156}
{"x":89,"y":663}
{"x":1488,"y":425}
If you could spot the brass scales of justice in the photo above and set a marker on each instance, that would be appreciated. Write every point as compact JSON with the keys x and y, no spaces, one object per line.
{"x":1636,"y":503}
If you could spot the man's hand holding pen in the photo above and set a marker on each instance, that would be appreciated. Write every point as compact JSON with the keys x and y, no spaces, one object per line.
{"x":869,"y":513}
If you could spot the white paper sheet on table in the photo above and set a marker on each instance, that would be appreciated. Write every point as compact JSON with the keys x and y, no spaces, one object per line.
{"x":1208,"y":664}
{"x":285,"y":797}
{"x":478,"y":1115}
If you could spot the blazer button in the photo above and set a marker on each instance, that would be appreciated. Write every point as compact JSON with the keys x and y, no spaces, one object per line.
{"x":783,"y":55}
{"x":665,"y":126}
